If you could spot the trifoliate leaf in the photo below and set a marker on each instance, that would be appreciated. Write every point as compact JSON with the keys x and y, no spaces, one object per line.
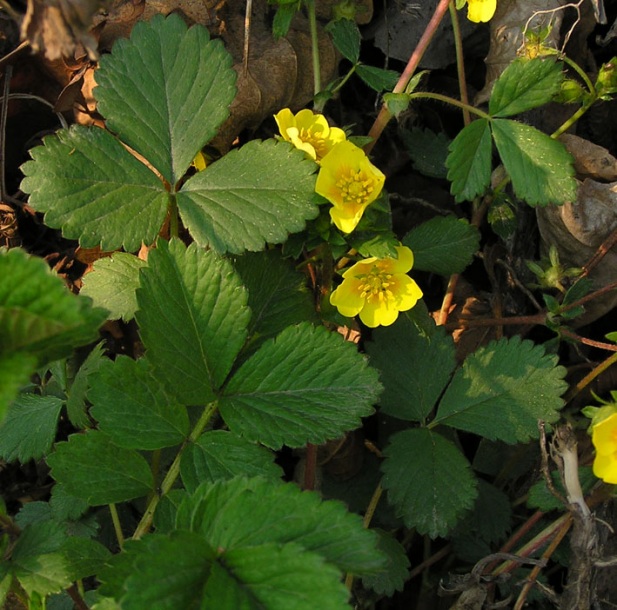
{"x":29,"y":428}
{"x":219,"y":455}
{"x":428,"y":151}
{"x":93,"y":189}
{"x":255,"y":195}
{"x":428,"y":480}
{"x":165,"y":91}
{"x":392,"y":578}
{"x":525,"y":84}
{"x":278,"y":296}
{"x":377,"y":79}
{"x":540,"y":167}
{"x":469,"y":161}
{"x":249,"y":512}
{"x":502,"y":390}
{"x":346,"y":38}
{"x":443,"y":245}
{"x":414,"y":367}
{"x":132,"y":407}
{"x":93,"y":468}
{"x":306,"y":386}
{"x":112,"y":284}
{"x":192,"y":318}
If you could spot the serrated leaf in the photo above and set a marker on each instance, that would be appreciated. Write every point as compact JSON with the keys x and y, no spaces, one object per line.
{"x":525,"y":84}
{"x":15,"y":370}
{"x":132,"y":407}
{"x":165,"y":91}
{"x":29,"y":428}
{"x":443,"y":245}
{"x":112,"y":284}
{"x":346,"y":38}
{"x":254,"y":195}
{"x":392,"y":578}
{"x":414,"y":367}
{"x":428,"y":480}
{"x":469,"y":161}
{"x":377,"y":79}
{"x":42,"y":575}
{"x":76,"y":407}
{"x":541,"y":169}
{"x":277,"y":295}
{"x":83,"y":557}
{"x":305,"y":386}
{"x":502,"y":390}
{"x":428,"y":151}
{"x":219,"y":455}
{"x":192,"y":319}
{"x":249,"y":512}
{"x":96,"y":470}
{"x":93,"y":189}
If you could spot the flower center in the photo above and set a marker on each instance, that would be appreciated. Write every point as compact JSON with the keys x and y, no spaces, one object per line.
{"x":376,"y":285}
{"x":315,"y":139}
{"x":355,"y":186}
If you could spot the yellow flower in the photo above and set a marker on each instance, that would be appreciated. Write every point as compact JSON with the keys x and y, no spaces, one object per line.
{"x":309,"y":132}
{"x":481,"y":10}
{"x":604,"y":437}
{"x":349,"y":181}
{"x":377,"y":289}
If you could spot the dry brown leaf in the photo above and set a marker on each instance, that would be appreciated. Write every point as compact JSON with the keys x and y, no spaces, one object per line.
{"x":590,"y":160}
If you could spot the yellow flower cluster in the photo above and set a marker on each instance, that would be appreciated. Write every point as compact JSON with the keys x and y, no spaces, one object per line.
{"x":347,"y":179}
{"x":604,"y":438}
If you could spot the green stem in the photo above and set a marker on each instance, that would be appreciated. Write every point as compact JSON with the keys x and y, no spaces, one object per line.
{"x":581,"y":73}
{"x":312,"y":17}
{"x":450,"y":100}
{"x":344,"y":79}
{"x":174,"y":470}
{"x":575,"y":117}
{"x":115,"y":519}
{"x":460,"y":63}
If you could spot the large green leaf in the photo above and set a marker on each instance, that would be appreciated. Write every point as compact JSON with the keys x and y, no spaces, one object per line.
{"x":15,"y":370}
{"x":29,"y":428}
{"x":92,"y":188}
{"x":259,"y":193}
{"x":112,"y":284}
{"x":93,"y":468}
{"x":306,"y":386}
{"x":414,"y":367}
{"x":249,"y":512}
{"x":219,"y":455}
{"x":192,"y":318}
{"x":428,"y":480}
{"x":525,"y":84}
{"x":541,"y":169}
{"x":502,"y":390}
{"x":396,"y":571}
{"x":469,"y":161}
{"x":131,"y":406}
{"x":165,"y":91}
{"x":37,"y":312}
{"x":443,"y":245}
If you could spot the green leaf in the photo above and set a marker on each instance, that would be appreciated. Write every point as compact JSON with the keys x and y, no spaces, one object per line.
{"x":249,"y":512}
{"x":277,"y":295}
{"x":132,"y":407}
{"x":282,"y":19}
{"x":428,"y":480}
{"x":428,"y":151}
{"x":540,"y":168}
{"x":396,"y":572}
{"x":525,"y":84}
{"x":38,"y":314}
{"x":220,"y":455}
{"x":443,"y":245}
{"x":83,"y":557}
{"x":378,"y":79}
{"x":94,"y":469}
{"x":29,"y":428}
{"x":192,"y":318}
{"x":306,"y":386}
{"x":166,"y":91}
{"x":541,"y":498}
{"x":256,"y":194}
{"x":346,"y":38}
{"x":502,"y":390}
{"x":469,"y":161}
{"x":414,"y":367}
{"x":112,"y":284}
{"x":15,"y":370}
{"x":96,"y":191}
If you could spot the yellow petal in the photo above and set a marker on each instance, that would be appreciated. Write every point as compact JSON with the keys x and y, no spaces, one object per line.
{"x":285,"y":119}
{"x":481,"y":11}
{"x":404,"y":262}
{"x":604,"y":436}
{"x":346,"y":220}
{"x":378,"y":313}
{"x":347,"y":297}
{"x":406,"y":292}
{"x":605,"y":468}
